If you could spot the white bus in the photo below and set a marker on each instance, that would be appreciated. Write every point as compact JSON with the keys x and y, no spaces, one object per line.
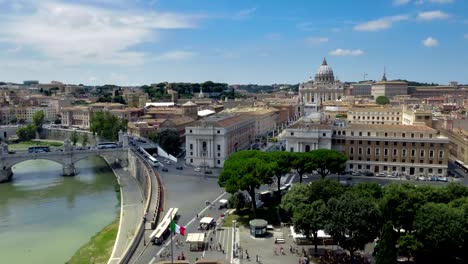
{"x":153,"y":161}
{"x":107,"y":145}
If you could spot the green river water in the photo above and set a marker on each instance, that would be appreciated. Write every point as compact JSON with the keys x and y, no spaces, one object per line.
{"x":45,"y":218}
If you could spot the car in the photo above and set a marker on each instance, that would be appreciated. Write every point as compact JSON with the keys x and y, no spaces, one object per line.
{"x":208,"y":172}
{"x":165,"y":169}
{"x":355,"y":173}
{"x":369,"y":174}
{"x":380,"y":174}
{"x":198,"y":169}
{"x":179,"y":168}
{"x":442,"y":179}
{"x":168,"y":162}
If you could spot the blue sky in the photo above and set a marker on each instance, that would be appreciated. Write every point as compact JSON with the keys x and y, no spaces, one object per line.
{"x":132,"y":42}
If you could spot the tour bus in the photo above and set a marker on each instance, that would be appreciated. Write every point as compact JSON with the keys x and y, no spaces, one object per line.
{"x":39,"y":149}
{"x":107,"y":145}
{"x":153,"y":161}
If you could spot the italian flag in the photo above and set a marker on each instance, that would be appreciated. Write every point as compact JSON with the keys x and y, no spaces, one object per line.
{"x":175,"y":228}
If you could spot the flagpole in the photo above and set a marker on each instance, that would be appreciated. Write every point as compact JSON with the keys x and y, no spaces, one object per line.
{"x":172,"y":248}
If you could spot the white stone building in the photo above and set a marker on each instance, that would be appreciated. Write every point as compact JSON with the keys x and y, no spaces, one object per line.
{"x":323,"y":88}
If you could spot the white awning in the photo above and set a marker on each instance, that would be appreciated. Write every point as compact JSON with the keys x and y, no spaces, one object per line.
{"x":206,"y":112}
{"x":206,"y":220}
{"x":195,"y":237}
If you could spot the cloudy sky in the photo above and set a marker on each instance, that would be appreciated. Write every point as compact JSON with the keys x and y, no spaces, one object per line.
{"x":131,"y":42}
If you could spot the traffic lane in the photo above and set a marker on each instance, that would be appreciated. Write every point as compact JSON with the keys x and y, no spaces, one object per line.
{"x":156,"y":253}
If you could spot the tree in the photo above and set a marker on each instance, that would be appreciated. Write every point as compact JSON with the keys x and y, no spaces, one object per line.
{"x":399,"y":205}
{"x":325,"y":189}
{"x":442,"y":233}
{"x":169,"y":140}
{"x":327,"y":161}
{"x":153,"y":136}
{"x":408,"y":245}
{"x":386,"y":247}
{"x":367,"y":189}
{"x":280,"y":164}
{"x":237,"y":200}
{"x":309,"y":218}
{"x":38,"y":120}
{"x":353,"y":221}
{"x":299,"y":194}
{"x":84,"y":139}
{"x":26,"y":133}
{"x":106,"y":125}
{"x":243,"y":170}
{"x":74,"y":137}
{"x":382,"y":100}
{"x":302,"y":162}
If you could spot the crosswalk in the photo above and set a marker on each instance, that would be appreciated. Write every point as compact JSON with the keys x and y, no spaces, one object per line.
{"x":219,"y":241}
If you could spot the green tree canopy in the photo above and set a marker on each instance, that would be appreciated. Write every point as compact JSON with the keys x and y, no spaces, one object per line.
{"x":382,"y":100}
{"x":353,"y":221}
{"x":386,"y":247}
{"x":74,"y":137}
{"x":169,"y":140}
{"x":84,"y":139}
{"x":298,"y":195}
{"x":106,"y":125}
{"x":244,"y":171}
{"x":325,"y":189}
{"x":327,"y":161}
{"x":26,"y":133}
{"x":309,"y":218}
{"x":302,"y":162}
{"x":442,"y":233}
{"x":38,"y":120}
{"x":280,"y":164}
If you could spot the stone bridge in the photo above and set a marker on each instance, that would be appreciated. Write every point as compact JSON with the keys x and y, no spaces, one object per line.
{"x":68,"y":157}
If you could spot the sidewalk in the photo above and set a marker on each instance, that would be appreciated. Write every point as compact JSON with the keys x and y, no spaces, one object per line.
{"x":132,"y":206}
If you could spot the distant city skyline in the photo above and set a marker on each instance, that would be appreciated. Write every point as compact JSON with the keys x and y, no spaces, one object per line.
{"x":136,"y":42}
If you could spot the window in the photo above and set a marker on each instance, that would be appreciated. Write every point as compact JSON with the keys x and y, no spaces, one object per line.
{"x":412,"y":135}
{"x":360,"y":151}
{"x":218,"y":131}
{"x":219,"y":147}
{"x":441,"y":153}
{"x":439,"y":171}
{"x":219,"y":162}
{"x":292,"y":133}
{"x":377,"y":151}
{"x":421,"y":170}
{"x":352,"y":133}
{"x":431,"y":153}
{"x":291,"y":149}
{"x":191,"y":153}
{"x":394,"y":143}
{"x":352,"y":142}
{"x":403,"y":135}
{"x":386,"y":134}
{"x":395,"y":152}
{"x":351,"y":166}
{"x":413,"y":144}
{"x":351,"y":150}
{"x":413,"y":152}
{"x":219,"y":154}
{"x":404,"y":144}
{"x":191,"y":160}
{"x":421,"y":135}
{"x":385,"y":152}
{"x":377,"y":143}
{"x":368,"y":134}
{"x":403,"y":152}
{"x":360,"y":133}
{"x":204,"y":145}
{"x":191,"y":146}
{"x":422,"y":153}
{"x":190,"y":130}
{"x":368,"y":151}
{"x":422,"y":145}
{"x":324,"y":134}
{"x":360,"y":142}
{"x":386,"y":143}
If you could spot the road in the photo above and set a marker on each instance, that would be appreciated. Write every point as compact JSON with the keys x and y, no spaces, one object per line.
{"x":187,"y":190}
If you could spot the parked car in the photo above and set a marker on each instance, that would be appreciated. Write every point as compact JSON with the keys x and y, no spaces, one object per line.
{"x":197,"y":169}
{"x":165,"y":169}
{"x":208,"y":172}
{"x":369,"y":173}
{"x":380,"y":174}
{"x":442,"y":179}
{"x":179,"y":168}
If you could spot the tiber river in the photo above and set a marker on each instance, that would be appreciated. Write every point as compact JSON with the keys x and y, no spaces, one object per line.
{"x":46,"y":218}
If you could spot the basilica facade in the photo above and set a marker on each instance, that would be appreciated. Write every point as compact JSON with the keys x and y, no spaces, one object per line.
{"x":322,"y":88}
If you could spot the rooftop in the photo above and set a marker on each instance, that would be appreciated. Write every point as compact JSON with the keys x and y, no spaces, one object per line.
{"x":406,"y":128}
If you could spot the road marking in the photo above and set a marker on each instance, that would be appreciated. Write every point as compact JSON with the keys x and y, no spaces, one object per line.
{"x":128,"y":205}
{"x":226,"y":245}
{"x":292,"y":178}
{"x":152,"y":260}
{"x":232,"y":248}
{"x":191,"y":221}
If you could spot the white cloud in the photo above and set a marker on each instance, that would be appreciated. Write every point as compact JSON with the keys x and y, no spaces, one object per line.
{"x":316,"y":40}
{"x":432,"y":15}
{"x":242,"y":14}
{"x":346,"y":52}
{"x":76,"y":33}
{"x":380,"y":24}
{"x":176,"y":55}
{"x":400,"y":2}
{"x":430,"y":42}
{"x":420,"y":2}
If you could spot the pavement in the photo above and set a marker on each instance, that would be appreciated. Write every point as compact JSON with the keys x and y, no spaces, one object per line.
{"x":132,"y":208}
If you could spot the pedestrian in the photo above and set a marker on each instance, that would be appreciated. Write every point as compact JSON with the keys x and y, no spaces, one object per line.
{"x":290,"y":249}
{"x":211,"y":239}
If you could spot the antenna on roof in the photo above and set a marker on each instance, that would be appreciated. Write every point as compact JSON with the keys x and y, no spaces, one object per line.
{"x":365,"y":75}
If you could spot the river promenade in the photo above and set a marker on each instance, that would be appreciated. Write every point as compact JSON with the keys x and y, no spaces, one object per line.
{"x":131,"y":212}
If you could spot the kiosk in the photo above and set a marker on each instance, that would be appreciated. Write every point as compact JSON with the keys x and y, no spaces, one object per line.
{"x":196,"y":241}
{"x":258,"y":227}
